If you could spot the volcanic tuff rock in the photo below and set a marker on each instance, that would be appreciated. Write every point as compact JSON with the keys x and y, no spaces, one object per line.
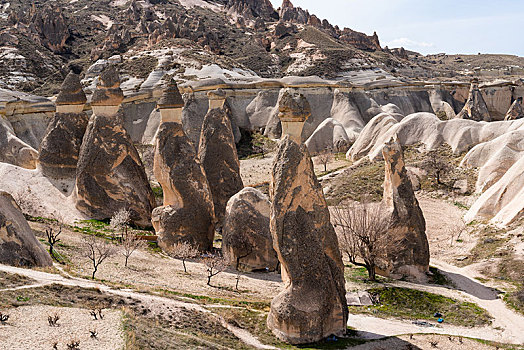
{"x":515,"y":111}
{"x":407,"y":248}
{"x":475,"y":108}
{"x":218,"y":155}
{"x":313,"y":304}
{"x":58,"y":154}
{"x":110,"y":175}
{"x":18,"y":244}
{"x":187,"y":214}
{"x":13,"y":150}
{"x":246,"y":239}
{"x":330,"y":135}
{"x":51,"y":27}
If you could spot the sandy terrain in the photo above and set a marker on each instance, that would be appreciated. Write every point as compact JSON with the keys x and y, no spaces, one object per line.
{"x":257,"y":170}
{"x":148,"y":270}
{"x":29,"y":329}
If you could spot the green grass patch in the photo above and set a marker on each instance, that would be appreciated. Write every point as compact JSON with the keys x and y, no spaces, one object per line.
{"x":412,"y":304}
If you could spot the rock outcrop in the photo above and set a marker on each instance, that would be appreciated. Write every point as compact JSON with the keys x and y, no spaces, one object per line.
{"x":110,"y":175}
{"x":218,"y":155}
{"x":18,"y":244}
{"x":426,"y":128}
{"x":475,"y":108}
{"x":58,"y":154}
{"x":330,"y":135}
{"x":13,"y":150}
{"x":50,"y":25}
{"x":515,"y":111}
{"x":246,"y":239}
{"x":187,"y":214}
{"x":313,"y":305}
{"x":407,"y":248}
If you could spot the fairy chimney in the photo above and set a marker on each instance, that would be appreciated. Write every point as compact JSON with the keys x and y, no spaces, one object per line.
{"x":217,"y":98}
{"x":108,"y":95}
{"x":71,"y":98}
{"x":171,"y":104}
{"x":293,"y":110}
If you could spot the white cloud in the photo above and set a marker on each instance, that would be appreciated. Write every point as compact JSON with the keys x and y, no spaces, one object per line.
{"x":409,"y":44}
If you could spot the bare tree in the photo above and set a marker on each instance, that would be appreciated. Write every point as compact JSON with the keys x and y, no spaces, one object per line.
{"x":455,"y":231}
{"x":96,"y":250}
{"x":215,"y":264}
{"x":361,"y":230}
{"x":53,"y":320}
{"x":52,"y":232}
{"x":436,"y":165}
{"x":325,"y":157}
{"x":130,"y":243}
{"x":184,"y":251}
{"x":3,"y":318}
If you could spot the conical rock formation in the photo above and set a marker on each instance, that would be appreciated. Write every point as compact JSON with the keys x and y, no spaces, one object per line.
{"x":475,"y":107}
{"x":313,"y":304}
{"x":58,"y":155}
{"x":407,"y":248}
{"x":515,"y":111}
{"x":110,"y":175}
{"x":18,"y":244}
{"x":218,"y":154}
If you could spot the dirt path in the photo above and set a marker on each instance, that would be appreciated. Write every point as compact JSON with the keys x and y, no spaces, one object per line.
{"x":44,"y":278}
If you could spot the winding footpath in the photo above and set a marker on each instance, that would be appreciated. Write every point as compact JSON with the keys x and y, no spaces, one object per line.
{"x":507,"y":325}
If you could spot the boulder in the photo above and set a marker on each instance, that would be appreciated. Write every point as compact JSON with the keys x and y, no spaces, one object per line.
{"x":407,"y":248}
{"x":246,"y":239}
{"x":218,"y":155}
{"x":110,"y":175}
{"x":58,"y":154}
{"x":475,"y":107}
{"x":515,"y":111}
{"x":312,"y":305}
{"x":18,"y":244}
{"x":187,"y":214}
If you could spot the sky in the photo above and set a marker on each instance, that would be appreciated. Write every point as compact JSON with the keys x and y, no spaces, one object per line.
{"x":425,"y":26}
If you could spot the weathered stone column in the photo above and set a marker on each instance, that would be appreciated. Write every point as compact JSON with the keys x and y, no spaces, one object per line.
{"x":110,"y":175}
{"x":187,"y":214}
{"x":407,"y":248}
{"x":313,"y":304}
{"x":218,"y":153}
{"x":58,"y":155}
{"x":475,"y":107}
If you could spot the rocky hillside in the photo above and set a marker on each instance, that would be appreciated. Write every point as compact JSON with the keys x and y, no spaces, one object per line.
{"x":41,"y":41}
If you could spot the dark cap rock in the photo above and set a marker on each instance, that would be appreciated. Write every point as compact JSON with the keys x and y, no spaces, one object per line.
{"x":171,"y":98}
{"x":108,"y":91}
{"x":71,"y":92}
{"x":293,"y":107}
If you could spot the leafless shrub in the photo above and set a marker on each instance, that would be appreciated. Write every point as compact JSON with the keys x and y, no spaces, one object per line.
{"x":97,"y":251}
{"x":215,"y":264}
{"x":93,"y":334}
{"x":55,"y":345}
{"x":24,"y":199}
{"x":325,"y":157}
{"x":96,"y":312}
{"x":3,"y":318}
{"x":361,"y":230}
{"x":73,"y":344}
{"x":184,"y":251}
{"x":433,"y":344}
{"x":455,"y":231}
{"x":53,"y":320}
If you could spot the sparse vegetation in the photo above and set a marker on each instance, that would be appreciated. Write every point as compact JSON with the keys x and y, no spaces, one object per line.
{"x":215,"y":264}
{"x":361,"y":230}
{"x":97,"y":251}
{"x":412,"y":304}
{"x":184,"y":251}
